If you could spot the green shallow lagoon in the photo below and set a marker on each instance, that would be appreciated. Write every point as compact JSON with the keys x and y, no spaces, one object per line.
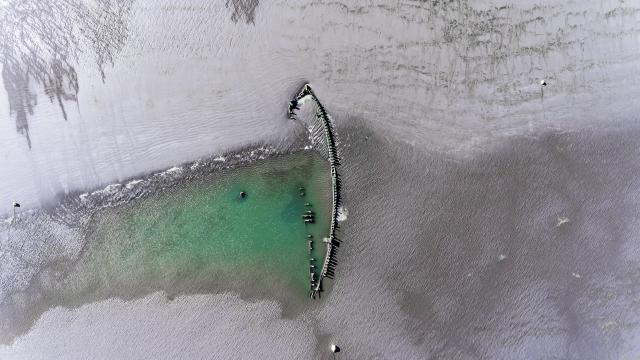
{"x":201,"y":235}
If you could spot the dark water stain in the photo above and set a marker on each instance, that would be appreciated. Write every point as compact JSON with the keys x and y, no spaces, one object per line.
{"x":41,"y":42}
{"x":243,"y":9}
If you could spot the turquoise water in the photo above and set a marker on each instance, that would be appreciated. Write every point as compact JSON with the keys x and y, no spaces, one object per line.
{"x":204,"y":232}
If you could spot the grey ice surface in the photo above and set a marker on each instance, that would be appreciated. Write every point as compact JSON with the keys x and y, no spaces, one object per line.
{"x":488,"y":216}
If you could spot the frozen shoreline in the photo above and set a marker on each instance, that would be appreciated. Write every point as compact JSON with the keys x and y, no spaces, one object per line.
{"x":134,"y":185}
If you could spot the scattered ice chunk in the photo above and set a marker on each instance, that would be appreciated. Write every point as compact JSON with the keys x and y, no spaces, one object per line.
{"x":174,"y":169}
{"x":501,"y":257}
{"x":112,"y":187}
{"x":132,"y":183}
{"x":609,"y":324}
{"x":342,"y":213}
{"x":108,"y":189}
{"x":562,"y":220}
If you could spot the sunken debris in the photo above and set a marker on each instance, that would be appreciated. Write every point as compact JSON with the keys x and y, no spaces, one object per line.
{"x":322,"y":132}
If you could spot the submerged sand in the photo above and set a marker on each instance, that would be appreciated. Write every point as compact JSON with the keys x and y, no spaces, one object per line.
{"x":196,"y":234}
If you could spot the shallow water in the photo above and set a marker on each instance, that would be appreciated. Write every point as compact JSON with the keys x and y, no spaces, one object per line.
{"x":197,"y":236}
{"x":206,"y":228}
